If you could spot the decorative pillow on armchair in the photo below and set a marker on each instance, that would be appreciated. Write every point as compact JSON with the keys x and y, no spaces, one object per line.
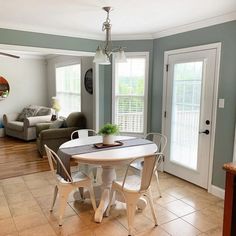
{"x":26,"y":112}
{"x":56,"y":124}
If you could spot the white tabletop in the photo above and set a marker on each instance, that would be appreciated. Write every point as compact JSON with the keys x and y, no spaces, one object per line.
{"x":111,"y":156}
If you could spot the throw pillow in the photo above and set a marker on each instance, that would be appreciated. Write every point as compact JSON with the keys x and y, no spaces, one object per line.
{"x":43,"y":112}
{"x":26,"y":112}
{"x":56,"y":124}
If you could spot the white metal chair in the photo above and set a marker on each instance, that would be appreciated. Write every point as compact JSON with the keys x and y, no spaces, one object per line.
{"x":63,"y":187}
{"x":160,"y":140}
{"x":83,"y":133}
{"x":133,"y":187}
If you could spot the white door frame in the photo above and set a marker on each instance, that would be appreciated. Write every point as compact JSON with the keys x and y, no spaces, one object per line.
{"x":19,"y":48}
{"x":216,"y":46}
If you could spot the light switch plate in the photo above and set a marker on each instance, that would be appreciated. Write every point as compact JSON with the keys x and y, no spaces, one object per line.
{"x":221,"y":103}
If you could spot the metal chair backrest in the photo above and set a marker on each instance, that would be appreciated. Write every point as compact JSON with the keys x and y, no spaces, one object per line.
{"x":54,"y":161}
{"x":83,"y":133}
{"x":149,"y":163}
{"x":159,"y":139}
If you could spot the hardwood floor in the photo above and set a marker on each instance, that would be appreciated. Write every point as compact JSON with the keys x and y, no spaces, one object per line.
{"x":19,"y":158}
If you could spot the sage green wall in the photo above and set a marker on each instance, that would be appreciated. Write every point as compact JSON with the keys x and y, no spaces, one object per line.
{"x":130,"y":46}
{"x":225,"y":33}
{"x":23,"y":38}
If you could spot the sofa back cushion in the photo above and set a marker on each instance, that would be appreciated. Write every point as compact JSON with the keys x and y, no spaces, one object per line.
{"x":26,"y":112}
{"x":43,"y":111}
{"x":76,"y":119}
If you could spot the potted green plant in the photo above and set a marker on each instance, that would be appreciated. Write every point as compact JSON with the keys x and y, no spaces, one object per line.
{"x":108,"y":131}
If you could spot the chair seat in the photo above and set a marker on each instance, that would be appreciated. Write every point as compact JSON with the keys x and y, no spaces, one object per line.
{"x":132,"y":183}
{"x":76,"y":176}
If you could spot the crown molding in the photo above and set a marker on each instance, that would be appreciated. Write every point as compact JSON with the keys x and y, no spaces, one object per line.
{"x":196,"y":25}
{"x":146,"y":36}
{"x":132,"y":37}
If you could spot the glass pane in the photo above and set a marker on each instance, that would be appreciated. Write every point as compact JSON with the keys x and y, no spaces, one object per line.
{"x":187,"y":83}
{"x":130,"y":77}
{"x":129,"y":113}
{"x":68,"y":86}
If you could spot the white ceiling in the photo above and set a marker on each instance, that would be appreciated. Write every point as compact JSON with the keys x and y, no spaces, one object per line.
{"x":84,"y":18}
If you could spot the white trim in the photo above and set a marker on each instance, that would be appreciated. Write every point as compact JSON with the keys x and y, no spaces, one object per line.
{"x":45,"y":50}
{"x":133,"y":54}
{"x":159,"y":34}
{"x":96,"y":97}
{"x":216,"y":191}
{"x":196,"y":25}
{"x":216,"y":46}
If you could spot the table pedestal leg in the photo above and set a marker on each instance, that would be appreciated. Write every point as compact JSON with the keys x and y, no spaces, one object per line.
{"x":108,"y":175}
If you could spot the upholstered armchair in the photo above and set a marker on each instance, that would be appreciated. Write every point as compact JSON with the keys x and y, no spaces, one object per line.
{"x":54,"y":137}
{"x":25,"y":128}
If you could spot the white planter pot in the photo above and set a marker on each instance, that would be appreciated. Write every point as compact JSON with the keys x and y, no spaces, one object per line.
{"x":109,"y":139}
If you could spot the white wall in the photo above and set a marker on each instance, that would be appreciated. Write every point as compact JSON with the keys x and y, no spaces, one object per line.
{"x":28,"y":84}
{"x":86,"y":98}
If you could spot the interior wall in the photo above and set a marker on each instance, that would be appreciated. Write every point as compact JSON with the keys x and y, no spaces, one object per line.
{"x":27,"y":80}
{"x":86,"y":98}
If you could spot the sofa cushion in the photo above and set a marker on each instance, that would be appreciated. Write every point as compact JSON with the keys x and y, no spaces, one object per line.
{"x":43,"y":111}
{"x":56,"y":124}
{"x":16,"y":125}
{"x":26,"y":112}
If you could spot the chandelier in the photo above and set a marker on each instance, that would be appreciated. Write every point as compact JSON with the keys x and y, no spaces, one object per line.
{"x":103,"y":54}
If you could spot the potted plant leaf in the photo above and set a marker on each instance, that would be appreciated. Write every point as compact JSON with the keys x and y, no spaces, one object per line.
{"x":108,"y":131}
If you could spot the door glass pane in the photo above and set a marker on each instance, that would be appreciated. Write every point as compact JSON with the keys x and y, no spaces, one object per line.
{"x":187,"y":83}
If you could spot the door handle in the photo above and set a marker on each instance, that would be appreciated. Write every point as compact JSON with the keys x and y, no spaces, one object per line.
{"x":204,"y":132}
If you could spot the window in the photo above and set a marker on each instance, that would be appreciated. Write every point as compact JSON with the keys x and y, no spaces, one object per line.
{"x":68,"y":88}
{"x":130,"y":93}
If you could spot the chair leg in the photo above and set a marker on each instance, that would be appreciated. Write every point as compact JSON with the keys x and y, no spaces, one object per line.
{"x":149,"y":197}
{"x":81,"y":191}
{"x":131,"y":203}
{"x":54,"y":197}
{"x":63,"y":196}
{"x":158,"y":183}
{"x":94,"y":171}
{"x":92,"y":197}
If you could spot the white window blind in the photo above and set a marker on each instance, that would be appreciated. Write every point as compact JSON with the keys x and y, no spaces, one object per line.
{"x":68,"y":88}
{"x":129,"y":88}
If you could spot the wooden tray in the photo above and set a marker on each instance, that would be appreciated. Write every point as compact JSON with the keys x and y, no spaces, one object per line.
{"x":101,"y":145}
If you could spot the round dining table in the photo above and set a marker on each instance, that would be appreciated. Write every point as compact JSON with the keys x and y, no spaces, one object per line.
{"x":108,"y":159}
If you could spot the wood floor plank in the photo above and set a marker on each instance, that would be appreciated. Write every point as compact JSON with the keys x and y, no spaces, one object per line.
{"x":18,"y":158}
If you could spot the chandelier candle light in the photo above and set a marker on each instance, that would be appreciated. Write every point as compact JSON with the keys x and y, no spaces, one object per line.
{"x":102,"y":55}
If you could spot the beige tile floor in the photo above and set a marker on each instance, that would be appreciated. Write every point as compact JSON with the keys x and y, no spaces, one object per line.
{"x":184,"y":210}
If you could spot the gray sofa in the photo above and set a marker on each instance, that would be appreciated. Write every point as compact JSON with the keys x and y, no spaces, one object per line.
{"x":26,"y":129}
{"x":54,"y":137}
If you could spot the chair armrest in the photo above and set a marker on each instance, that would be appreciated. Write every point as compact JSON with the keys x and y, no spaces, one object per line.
{"x":32,"y":121}
{"x":10,"y":117}
{"x":56,"y":133}
{"x":41,"y":126}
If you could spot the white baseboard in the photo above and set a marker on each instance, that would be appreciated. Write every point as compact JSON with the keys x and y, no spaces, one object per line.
{"x":218,"y":192}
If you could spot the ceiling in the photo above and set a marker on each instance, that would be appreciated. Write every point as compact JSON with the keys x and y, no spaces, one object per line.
{"x":130,"y":18}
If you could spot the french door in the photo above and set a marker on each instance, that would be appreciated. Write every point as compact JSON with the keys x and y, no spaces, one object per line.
{"x":188,"y":114}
